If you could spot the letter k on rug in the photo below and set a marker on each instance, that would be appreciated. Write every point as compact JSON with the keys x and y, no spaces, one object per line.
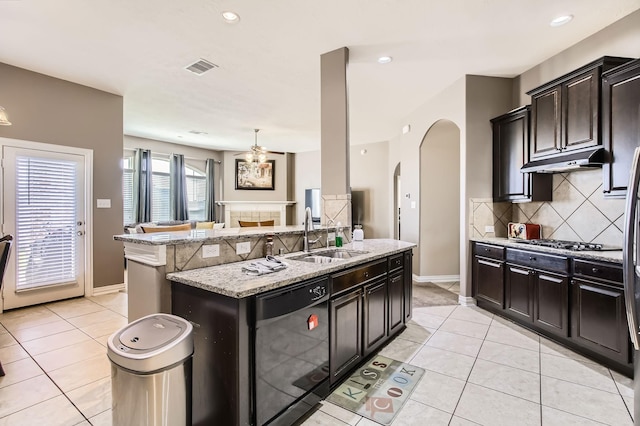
{"x":378,"y":390}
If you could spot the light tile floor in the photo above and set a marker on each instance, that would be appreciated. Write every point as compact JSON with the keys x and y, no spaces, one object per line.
{"x":484,"y":370}
{"x":480,"y":369}
{"x":54,"y":356}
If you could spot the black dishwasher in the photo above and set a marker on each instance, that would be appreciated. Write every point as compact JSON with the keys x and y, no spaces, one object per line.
{"x":291,"y":352}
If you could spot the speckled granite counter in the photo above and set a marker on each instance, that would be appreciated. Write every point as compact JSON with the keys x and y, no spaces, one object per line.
{"x":603,"y":256}
{"x":210,"y":235}
{"x":229,"y":280}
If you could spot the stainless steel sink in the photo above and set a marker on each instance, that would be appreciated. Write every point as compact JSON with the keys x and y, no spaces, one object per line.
{"x":328,"y":256}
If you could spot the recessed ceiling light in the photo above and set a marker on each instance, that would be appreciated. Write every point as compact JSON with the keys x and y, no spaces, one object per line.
{"x":230,"y":17}
{"x":561,"y":20}
{"x":196,"y":132}
{"x":384,"y":59}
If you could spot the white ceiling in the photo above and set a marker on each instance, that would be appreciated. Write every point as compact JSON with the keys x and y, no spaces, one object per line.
{"x":269,"y":62}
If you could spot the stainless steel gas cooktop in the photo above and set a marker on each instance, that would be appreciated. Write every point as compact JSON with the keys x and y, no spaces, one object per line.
{"x":570,"y":245}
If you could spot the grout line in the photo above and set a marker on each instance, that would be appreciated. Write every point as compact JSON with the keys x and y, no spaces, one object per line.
{"x":620,"y":393}
{"x":540,"y":376}
{"x":49,"y":377}
{"x":45,"y":373}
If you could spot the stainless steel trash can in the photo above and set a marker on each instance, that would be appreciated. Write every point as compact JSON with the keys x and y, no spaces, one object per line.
{"x":151,"y":368}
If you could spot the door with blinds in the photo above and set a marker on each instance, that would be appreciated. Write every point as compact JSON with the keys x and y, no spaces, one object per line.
{"x":44,"y":209}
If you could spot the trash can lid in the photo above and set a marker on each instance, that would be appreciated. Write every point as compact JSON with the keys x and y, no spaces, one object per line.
{"x":152,"y":332}
{"x":151,"y":343}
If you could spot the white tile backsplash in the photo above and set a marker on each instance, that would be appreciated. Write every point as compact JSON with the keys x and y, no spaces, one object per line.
{"x":579,"y":211}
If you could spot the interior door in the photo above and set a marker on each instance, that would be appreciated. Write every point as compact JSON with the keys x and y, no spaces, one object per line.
{"x":43,"y":208}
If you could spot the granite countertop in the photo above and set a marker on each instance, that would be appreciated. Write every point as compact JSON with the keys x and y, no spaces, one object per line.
{"x":229,"y":280}
{"x":603,"y":256}
{"x":199,"y":235}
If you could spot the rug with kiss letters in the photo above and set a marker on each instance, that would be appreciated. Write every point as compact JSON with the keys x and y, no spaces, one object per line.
{"x":377,"y":390}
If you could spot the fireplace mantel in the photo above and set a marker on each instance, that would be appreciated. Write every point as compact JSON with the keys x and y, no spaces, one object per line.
{"x":255,"y":207}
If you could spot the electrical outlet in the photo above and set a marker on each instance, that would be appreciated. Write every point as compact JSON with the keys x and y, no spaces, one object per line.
{"x":212,"y":250}
{"x":243,"y":248}
{"x":489,"y":228}
{"x":103,"y":203}
{"x":332,"y":236}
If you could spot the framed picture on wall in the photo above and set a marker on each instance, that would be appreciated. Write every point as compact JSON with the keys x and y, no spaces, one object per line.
{"x":253,"y":175}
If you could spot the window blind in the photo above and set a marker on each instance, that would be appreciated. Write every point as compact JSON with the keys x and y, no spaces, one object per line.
{"x":196,"y":190}
{"x":46,"y":215}
{"x":127,"y":196}
{"x":160,"y":197}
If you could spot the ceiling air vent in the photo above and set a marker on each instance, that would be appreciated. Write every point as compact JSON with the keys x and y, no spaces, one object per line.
{"x":201,"y":67}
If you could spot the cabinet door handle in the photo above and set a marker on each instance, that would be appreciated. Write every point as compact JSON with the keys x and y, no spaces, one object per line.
{"x":366,"y":274}
{"x":532,"y":258}
{"x":595,"y":270}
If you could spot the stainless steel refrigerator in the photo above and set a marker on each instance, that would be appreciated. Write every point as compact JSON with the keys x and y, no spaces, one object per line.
{"x":631,"y":267}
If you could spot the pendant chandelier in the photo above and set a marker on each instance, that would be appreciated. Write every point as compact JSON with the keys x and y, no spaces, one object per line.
{"x":256,"y":154}
{"x":4,"y":120}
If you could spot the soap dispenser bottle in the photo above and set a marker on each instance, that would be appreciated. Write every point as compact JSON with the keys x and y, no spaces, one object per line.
{"x":339,"y":235}
{"x":358,"y":233}
{"x":268,"y":246}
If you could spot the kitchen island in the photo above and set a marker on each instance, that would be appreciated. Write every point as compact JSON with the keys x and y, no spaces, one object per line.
{"x":151,"y":256}
{"x":257,"y":360}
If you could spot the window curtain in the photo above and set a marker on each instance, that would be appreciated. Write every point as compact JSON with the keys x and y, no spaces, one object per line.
{"x":178,"y":197}
{"x":210,"y":194}
{"x":142,"y":186}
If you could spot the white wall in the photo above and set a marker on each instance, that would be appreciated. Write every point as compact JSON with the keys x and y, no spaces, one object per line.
{"x":195,"y":157}
{"x":621,"y":38}
{"x":469,"y":103}
{"x":281,"y":184}
{"x":448,"y":105}
{"x":440,"y":202}
{"x":369,"y":172}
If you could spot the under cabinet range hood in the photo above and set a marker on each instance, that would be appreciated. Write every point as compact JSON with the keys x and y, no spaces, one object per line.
{"x":568,"y":162}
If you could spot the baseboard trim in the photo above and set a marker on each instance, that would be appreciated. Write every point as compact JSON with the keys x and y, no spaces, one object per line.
{"x":467,"y":301}
{"x":98,"y":291}
{"x":435,"y":278}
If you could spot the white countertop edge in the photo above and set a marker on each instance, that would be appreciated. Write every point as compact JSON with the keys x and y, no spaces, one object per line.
{"x":200,"y":235}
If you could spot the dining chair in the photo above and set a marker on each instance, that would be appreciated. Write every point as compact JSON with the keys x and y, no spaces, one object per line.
{"x":245,"y":224}
{"x":5,"y":251}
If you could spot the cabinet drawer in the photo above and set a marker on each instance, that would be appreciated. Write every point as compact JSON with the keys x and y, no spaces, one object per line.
{"x":538,"y":260}
{"x":486,"y":250}
{"x":354,"y":277}
{"x":598,"y":270}
{"x":396,"y":262}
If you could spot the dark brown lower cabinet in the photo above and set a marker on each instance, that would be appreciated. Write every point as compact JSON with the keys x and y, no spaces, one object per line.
{"x":576,"y":302}
{"x":519,"y":292}
{"x":488,"y":275}
{"x":396,"y":301}
{"x":538,"y":297}
{"x":375,"y":315}
{"x":599,"y":321}
{"x":408,"y":285}
{"x":345,"y":313}
{"x":551,"y":302}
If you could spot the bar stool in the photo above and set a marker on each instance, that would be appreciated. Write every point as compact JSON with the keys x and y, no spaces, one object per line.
{"x":5,"y":251}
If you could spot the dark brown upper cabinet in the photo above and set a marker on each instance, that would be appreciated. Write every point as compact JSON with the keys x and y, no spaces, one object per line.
{"x":620,"y":125}
{"x":565,"y":113}
{"x":510,"y":153}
